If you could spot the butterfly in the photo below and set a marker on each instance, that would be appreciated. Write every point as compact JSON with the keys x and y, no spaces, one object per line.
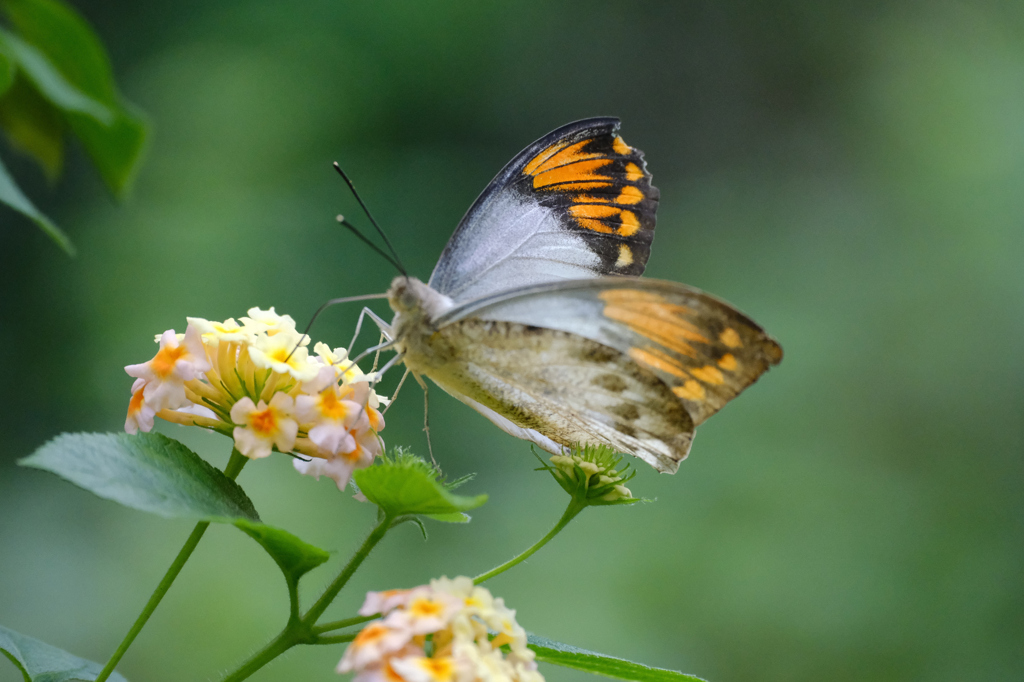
{"x":536,"y":317}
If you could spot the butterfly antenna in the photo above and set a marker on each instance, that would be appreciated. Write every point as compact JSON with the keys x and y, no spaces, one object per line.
{"x":352,"y":228}
{"x":325,"y":306}
{"x":397,"y":261}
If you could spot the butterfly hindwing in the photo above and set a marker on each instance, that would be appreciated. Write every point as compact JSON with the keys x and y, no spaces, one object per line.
{"x":704,"y":350}
{"x":558,"y":389}
{"x":576,"y":203}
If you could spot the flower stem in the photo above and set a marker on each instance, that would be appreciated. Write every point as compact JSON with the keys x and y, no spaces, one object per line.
{"x":339,"y":624}
{"x":571,"y":511}
{"x":317,"y":609}
{"x":233,"y":468}
{"x":304,"y":630}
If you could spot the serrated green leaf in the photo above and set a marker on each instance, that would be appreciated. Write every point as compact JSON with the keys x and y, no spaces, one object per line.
{"x":549,"y":651}
{"x":33,"y":126}
{"x":407,"y":485}
{"x":73,"y":47}
{"x":51,"y":83}
{"x":41,"y":662}
{"x":11,"y":195}
{"x":147,"y":471}
{"x":295,"y":557}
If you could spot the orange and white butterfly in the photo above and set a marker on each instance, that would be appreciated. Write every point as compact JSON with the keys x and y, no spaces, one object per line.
{"x":536,"y":317}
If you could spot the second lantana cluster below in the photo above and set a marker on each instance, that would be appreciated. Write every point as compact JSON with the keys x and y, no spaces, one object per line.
{"x":256,"y":382}
{"x":447,"y":631}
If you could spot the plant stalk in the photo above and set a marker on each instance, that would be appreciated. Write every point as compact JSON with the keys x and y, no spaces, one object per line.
{"x":571,"y":511}
{"x":233,"y":468}
{"x":304,"y":630}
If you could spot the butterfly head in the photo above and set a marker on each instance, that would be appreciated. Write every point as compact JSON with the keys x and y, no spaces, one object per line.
{"x":411,"y":298}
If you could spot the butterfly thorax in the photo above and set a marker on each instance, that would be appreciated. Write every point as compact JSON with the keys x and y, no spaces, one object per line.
{"x":417,"y":307}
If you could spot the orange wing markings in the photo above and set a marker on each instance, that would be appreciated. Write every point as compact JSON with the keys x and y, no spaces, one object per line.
{"x":633,"y":172}
{"x":625,"y":258}
{"x":690,"y":390}
{"x":709,"y":375}
{"x":652,"y":357}
{"x":662,"y":322}
{"x":537,"y":161}
{"x":584,"y":170}
{"x":605,"y":218}
{"x":620,"y":146}
{"x":728,"y":362}
{"x":730,"y":338}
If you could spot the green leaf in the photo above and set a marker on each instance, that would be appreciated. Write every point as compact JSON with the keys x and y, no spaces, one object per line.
{"x":69,"y":42}
{"x":147,"y":471}
{"x":33,"y":126}
{"x":117,"y":149}
{"x":294,"y":556}
{"x":73,"y":47}
{"x":40,"y":662}
{"x":403,"y":484}
{"x":6,"y":73}
{"x":549,"y":651}
{"x":12,"y":195}
{"x":51,"y":82}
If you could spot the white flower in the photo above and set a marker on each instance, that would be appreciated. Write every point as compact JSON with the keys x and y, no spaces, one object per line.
{"x":284,"y":353}
{"x":425,"y":612}
{"x":384,"y":602}
{"x":264,"y":426}
{"x":451,"y":615}
{"x":371,"y":644}
{"x":174,"y":364}
{"x":337,"y":468}
{"x":424,"y":669}
{"x":140,"y":415}
{"x":268,"y":322}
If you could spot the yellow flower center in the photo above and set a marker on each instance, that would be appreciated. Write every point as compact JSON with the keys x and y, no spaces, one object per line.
{"x":439,"y":669}
{"x":330,"y":406}
{"x":264,"y":422}
{"x":165,"y":359}
{"x":370,"y":634}
{"x":425,"y":608}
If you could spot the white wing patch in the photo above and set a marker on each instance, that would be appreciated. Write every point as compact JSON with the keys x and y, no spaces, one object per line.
{"x":515,"y":241}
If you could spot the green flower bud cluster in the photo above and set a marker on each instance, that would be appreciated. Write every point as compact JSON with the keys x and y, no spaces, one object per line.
{"x":592,"y":474}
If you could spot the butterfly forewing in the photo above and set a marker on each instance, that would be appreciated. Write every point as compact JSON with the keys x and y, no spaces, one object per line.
{"x":702,"y":349}
{"x":576,"y":203}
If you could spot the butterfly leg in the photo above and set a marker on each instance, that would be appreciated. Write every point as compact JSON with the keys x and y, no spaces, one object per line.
{"x":372,"y":349}
{"x":395,"y":394}
{"x":426,"y":415}
{"x":384,"y":327}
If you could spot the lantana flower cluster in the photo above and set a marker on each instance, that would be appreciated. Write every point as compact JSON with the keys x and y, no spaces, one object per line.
{"x":256,"y":381}
{"x":447,"y":631}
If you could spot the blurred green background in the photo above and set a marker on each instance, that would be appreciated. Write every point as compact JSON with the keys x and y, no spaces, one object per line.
{"x":850,"y":174}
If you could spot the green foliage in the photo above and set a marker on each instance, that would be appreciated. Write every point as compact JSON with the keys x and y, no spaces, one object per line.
{"x":12,"y":195}
{"x":40,"y":662}
{"x":55,"y":75}
{"x":549,"y":651}
{"x":402,"y":484}
{"x":147,"y":471}
{"x":294,"y":556}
